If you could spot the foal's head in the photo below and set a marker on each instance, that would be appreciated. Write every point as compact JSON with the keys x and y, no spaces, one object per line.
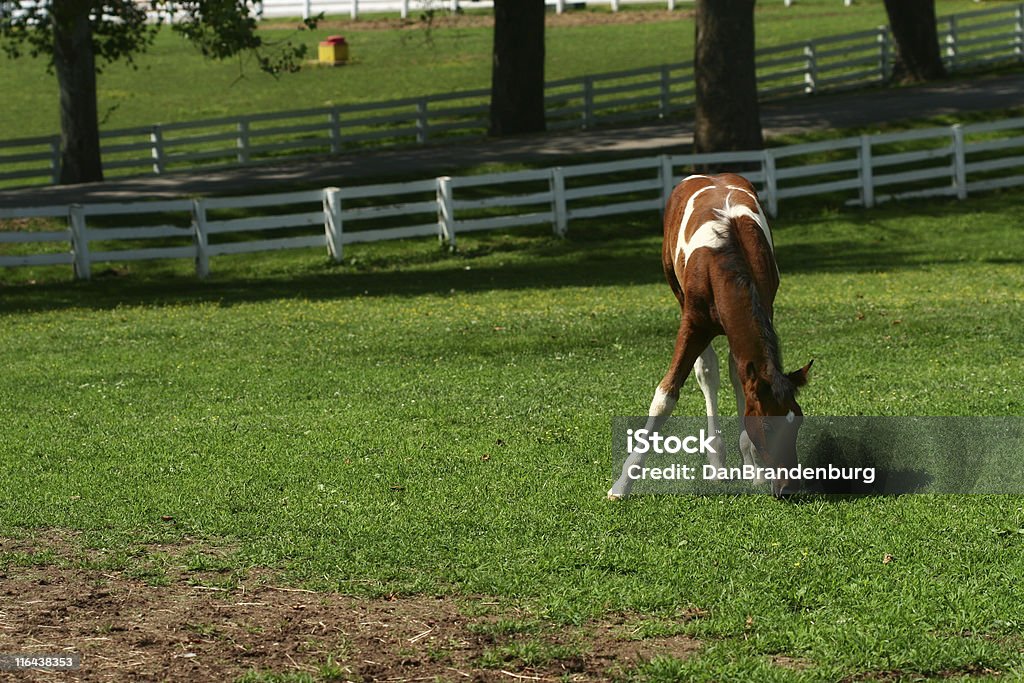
{"x":773,"y":417}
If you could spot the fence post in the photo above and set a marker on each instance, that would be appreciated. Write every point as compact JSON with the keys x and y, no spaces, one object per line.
{"x":199,"y":235}
{"x":665,"y":103}
{"x":334,"y":125}
{"x":559,"y":209}
{"x":559,"y":6}
{"x":445,"y":213}
{"x":884,"y":54}
{"x":79,"y":242}
{"x":951,"y":43}
{"x":55,"y":159}
{"x":671,"y":5}
{"x":867,"y":178}
{"x":588,"y":102}
{"x":959,"y":162}
{"x":421,"y":120}
{"x":307,"y":9}
{"x":667,"y":180}
{"x":332,"y":223}
{"x":615,"y":5}
{"x":810,"y":69}
{"x":242,"y":141}
{"x":405,"y":9}
{"x":771,"y":187}
{"x":355,"y":9}
{"x":156,"y":140}
{"x":1018,"y":32}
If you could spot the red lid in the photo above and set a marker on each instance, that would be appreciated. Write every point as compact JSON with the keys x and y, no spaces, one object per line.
{"x":334,"y":40}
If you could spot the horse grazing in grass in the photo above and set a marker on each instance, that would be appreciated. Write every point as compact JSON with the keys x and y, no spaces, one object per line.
{"x":719,"y":260}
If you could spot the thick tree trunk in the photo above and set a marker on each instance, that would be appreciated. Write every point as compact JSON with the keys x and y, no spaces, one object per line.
{"x":727,"y":116}
{"x":917,"y":41}
{"x":75,"y":64}
{"x":517,"y":75}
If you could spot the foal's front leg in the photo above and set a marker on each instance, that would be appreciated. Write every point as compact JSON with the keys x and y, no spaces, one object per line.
{"x":689,"y":345}
{"x":747,"y":448}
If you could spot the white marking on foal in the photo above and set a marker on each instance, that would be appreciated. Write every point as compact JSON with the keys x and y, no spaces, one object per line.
{"x":662,"y":404}
{"x":744,"y":190}
{"x":705,"y":369}
{"x":681,"y":238}
{"x":711,"y":235}
{"x":741,"y":210}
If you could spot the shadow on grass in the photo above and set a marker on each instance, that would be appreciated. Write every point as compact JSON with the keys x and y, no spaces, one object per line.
{"x":595,"y":255}
{"x":906,"y":455}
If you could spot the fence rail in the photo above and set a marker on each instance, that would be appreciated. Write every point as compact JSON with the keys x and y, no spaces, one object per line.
{"x":824,"y":64}
{"x":947,"y":161}
{"x":355,"y":8}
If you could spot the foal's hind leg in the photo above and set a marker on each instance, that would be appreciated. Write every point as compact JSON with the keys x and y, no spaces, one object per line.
{"x":706,"y":371}
{"x":689,"y":345}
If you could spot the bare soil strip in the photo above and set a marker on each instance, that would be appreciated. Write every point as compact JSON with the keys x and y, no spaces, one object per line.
{"x":127,"y":629}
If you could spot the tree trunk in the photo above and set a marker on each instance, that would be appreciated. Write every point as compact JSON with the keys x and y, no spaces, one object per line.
{"x":517,"y":74}
{"x":75,"y":63}
{"x":917,"y":41}
{"x":727,"y":116}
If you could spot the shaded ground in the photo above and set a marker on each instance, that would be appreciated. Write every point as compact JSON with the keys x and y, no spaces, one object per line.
{"x":842,"y":110}
{"x":191,"y":629}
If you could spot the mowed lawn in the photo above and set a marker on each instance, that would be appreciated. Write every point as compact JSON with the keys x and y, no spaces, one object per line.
{"x":173,"y":82}
{"x":419,"y":421}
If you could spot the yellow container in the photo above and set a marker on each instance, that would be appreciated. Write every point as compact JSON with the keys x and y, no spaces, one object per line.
{"x":333,"y":51}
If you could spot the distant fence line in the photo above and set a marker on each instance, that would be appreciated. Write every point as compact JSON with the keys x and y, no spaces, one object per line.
{"x":861,"y":170}
{"x":356,"y":8}
{"x":353,"y":8}
{"x":824,"y":64}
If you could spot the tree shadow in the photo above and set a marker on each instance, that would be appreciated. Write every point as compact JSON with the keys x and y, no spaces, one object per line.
{"x":608,"y":253}
{"x":551,"y":264}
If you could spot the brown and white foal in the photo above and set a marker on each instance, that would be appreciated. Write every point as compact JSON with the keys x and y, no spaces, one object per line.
{"x":719,"y":260}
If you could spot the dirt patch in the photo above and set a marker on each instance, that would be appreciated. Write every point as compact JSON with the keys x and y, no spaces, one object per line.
{"x":453,"y":21}
{"x":126,"y":628}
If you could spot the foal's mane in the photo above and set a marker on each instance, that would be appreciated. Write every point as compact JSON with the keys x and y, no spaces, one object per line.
{"x":735,"y":262}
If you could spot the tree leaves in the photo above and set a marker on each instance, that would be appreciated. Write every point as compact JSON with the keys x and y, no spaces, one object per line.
{"x":122,"y":29}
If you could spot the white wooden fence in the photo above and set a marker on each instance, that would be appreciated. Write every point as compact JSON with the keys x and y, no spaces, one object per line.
{"x":861,"y":170}
{"x":850,"y":60}
{"x":357,"y":8}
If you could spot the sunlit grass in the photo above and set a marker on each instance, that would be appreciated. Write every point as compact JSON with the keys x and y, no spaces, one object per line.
{"x":174,"y":83}
{"x":418,"y":420}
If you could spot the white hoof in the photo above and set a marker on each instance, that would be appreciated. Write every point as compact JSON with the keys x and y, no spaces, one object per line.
{"x":617,"y":492}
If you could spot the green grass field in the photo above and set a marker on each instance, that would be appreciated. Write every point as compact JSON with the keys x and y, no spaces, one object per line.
{"x":174,"y":83}
{"x":422,"y":421}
